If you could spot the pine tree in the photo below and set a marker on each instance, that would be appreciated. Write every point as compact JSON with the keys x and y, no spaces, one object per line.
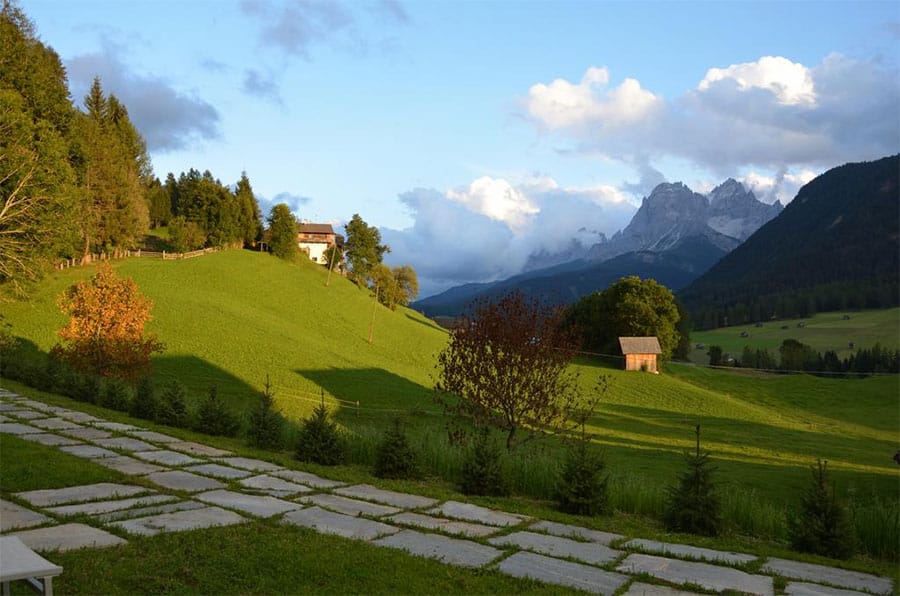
{"x":822,"y":526}
{"x":395,"y":457}
{"x":319,"y":440}
{"x":483,"y":469}
{"x":213,"y":418}
{"x":266,"y":425}
{"x":694,"y":506}
{"x":283,"y":232}
{"x":145,"y":404}
{"x":582,"y":486}
{"x":172,"y":409}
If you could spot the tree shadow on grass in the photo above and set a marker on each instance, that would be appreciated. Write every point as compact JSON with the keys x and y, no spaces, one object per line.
{"x":381,"y":394}
{"x":197,"y":376}
{"x":427,"y":323}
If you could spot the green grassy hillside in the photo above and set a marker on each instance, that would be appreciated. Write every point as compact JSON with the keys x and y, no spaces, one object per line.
{"x":233,"y":317}
{"x":824,"y":331}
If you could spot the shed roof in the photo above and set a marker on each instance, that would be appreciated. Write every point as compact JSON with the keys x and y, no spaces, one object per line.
{"x":640,"y":345}
{"x":314,"y":228}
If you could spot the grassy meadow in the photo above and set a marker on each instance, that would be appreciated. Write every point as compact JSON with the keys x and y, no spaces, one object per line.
{"x":234,"y":317}
{"x":823,"y":331}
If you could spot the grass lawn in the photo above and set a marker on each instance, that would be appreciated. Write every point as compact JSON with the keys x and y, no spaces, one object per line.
{"x":824,"y":331}
{"x":234,"y":317}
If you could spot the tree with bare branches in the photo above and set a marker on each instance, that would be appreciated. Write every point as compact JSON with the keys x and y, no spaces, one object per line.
{"x":507,"y":366}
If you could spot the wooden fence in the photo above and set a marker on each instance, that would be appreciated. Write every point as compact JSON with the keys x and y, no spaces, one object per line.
{"x":131,"y":254}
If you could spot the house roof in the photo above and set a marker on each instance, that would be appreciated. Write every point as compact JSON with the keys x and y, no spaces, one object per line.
{"x":639,"y":345}
{"x":314,"y":228}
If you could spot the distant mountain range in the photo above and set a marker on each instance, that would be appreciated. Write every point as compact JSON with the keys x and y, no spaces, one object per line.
{"x":674,"y":237}
{"x":836,"y":246}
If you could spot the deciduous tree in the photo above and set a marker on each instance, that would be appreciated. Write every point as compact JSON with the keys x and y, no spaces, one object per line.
{"x":105,"y":334}
{"x":507,"y":366}
{"x":283,"y":232}
{"x":364,"y":250}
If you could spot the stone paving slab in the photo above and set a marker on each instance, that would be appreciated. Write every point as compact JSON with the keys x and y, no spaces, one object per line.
{"x":474,"y":513}
{"x":448,"y":526}
{"x":386,"y":497}
{"x":273,"y":486}
{"x":641,"y":589}
{"x":54,"y":423}
{"x":252,"y":504}
{"x":562,"y":573}
{"x":183,"y":481}
{"x":197,"y":449}
{"x":125,"y":444}
{"x":710,"y":577}
{"x":50,"y":440}
{"x":117,"y":426}
{"x":338,"y":524}
{"x":97,"y":507}
{"x":153,"y":436}
{"x":79,"y":494}
{"x":307,"y":479}
{"x":254,"y":465}
{"x":68,"y":537}
{"x":4,"y":419}
{"x":79,"y":417}
{"x":830,"y":575}
{"x":167,"y":458}
{"x":87,"y":433}
{"x":349,"y":506}
{"x":13,"y":516}
{"x":805,"y":589}
{"x":88,"y":451}
{"x":34,"y":405}
{"x":219,"y":471}
{"x":145,"y":511}
{"x":567,"y":531}
{"x":129,"y":465}
{"x":692,"y":552}
{"x":556,"y":546}
{"x":15,"y":428}
{"x":180,"y":521}
{"x":26,"y":414}
{"x":453,"y":551}
{"x":5,"y":407}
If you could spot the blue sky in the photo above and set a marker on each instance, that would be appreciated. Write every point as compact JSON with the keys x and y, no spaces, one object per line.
{"x":475,"y":134}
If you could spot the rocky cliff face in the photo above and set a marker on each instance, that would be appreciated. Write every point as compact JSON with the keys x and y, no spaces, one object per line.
{"x":735,"y":212}
{"x":673,"y":212}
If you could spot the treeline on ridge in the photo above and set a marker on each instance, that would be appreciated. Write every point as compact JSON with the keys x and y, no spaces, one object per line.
{"x":79,"y":182}
{"x":798,"y":356}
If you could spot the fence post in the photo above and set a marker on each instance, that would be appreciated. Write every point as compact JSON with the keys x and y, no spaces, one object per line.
{"x":357,"y":408}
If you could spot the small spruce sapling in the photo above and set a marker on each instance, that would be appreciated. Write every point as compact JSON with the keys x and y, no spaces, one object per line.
{"x":582,"y":486}
{"x":822,"y":526}
{"x":395,"y":457}
{"x":145,"y":404}
{"x":483,"y":469}
{"x":115,"y":396}
{"x":693,"y":505}
{"x":213,"y":418}
{"x":319,"y":440}
{"x":172,"y":409}
{"x":266,"y":425}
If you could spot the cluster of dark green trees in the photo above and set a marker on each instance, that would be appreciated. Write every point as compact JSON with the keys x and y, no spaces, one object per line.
{"x":796,"y":355}
{"x":79,"y":182}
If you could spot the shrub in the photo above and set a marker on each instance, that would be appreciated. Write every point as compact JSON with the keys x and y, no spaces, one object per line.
{"x":693,"y":505}
{"x":266,"y":425}
{"x":145,"y":404}
{"x":115,"y":396}
{"x":213,"y":418}
{"x":319,"y":440}
{"x":171,"y":409}
{"x":483,"y":469}
{"x":582,"y":487}
{"x":822,"y":526}
{"x":87,"y":388}
{"x":395,"y":457}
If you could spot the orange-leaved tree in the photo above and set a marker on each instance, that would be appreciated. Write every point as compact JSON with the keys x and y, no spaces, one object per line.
{"x":105,"y":334}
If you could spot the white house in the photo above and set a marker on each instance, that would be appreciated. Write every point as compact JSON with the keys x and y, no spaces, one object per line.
{"x":314,"y":239}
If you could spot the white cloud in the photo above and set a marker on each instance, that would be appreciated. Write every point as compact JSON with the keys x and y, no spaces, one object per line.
{"x":783,"y":186}
{"x":791,"y":82}
{"x":590,"y":102}
{"x":769,"y":114}
{"x":489,"y":229}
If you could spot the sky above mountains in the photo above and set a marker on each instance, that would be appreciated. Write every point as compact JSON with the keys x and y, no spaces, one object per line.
{"x":477,"y":133}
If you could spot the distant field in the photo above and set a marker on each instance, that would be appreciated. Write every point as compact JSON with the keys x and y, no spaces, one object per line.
{"x":824,"y":331}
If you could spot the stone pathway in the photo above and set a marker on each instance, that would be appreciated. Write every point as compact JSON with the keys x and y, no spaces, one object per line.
{"x":199,"y":486}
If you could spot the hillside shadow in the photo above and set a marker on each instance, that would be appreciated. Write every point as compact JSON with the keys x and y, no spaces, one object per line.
{"x":379,"y":392}
{"x":197,"y":376}
{"x":427,"y":323}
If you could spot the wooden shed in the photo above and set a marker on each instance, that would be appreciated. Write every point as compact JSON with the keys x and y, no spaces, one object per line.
{"x":640,"y":353}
